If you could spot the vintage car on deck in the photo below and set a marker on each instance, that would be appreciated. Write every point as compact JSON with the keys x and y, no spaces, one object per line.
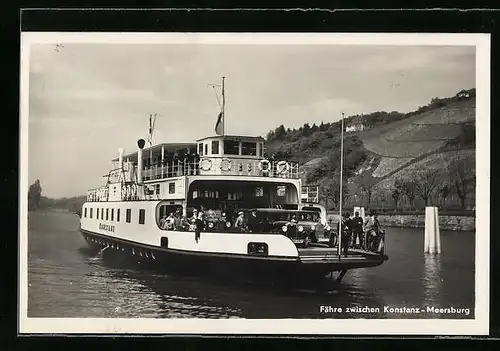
{"x":311,"y":221}
{"x":302,"y":227}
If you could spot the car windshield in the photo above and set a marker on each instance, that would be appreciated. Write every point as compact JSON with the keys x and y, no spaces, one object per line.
{"x":309,"y":216}
{"x":276,"y":216}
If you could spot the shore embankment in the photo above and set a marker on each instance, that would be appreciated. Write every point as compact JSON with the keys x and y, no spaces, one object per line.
{"x":446,"y":222}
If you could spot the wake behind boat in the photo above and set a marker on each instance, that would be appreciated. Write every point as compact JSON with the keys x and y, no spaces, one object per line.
{"x":218,"y":205}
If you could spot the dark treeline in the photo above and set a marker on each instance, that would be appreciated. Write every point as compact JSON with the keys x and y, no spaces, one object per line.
{"x":72,"y":204}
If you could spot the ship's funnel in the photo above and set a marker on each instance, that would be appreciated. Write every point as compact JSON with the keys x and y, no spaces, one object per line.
{"x":120,"y":157}
{"x":140,"y":145}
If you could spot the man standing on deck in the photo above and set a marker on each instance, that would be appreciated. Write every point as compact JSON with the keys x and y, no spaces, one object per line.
{"x":344,"y":230}
{"x":357,"y":229}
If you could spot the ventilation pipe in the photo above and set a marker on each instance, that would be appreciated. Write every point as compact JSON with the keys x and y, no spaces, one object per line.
{"x":140,"y":144}
{"x":120,"y":158}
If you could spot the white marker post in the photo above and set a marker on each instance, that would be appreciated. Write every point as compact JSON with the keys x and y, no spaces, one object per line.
{"x":432,"y":239}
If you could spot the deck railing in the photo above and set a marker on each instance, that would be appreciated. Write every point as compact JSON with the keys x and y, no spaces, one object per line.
{"x":207,"y":167}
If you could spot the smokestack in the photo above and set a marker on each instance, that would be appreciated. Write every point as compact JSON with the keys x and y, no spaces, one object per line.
{"x":140,"y":144}
{"x":120,"y":158}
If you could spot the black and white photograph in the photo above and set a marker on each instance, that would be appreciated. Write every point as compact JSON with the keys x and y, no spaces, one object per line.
{"x":242,"y":183}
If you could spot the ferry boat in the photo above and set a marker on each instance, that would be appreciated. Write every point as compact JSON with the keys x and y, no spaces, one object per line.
{"x":210,"y":207}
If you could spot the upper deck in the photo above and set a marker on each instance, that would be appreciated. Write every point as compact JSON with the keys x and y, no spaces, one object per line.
{"x":218,"y":155}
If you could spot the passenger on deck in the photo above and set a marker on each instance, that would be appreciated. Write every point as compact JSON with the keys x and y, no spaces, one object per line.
{"x":201,"y":220}
{"x":357,"y":230}
{"x":221,"y":223}
{"x":192,"y":220}
{"x":163,"y":221}
{"x":184,"y":224}
{"x":372,"y":231}
{"x":239,"y":222}
{"x":178,"y":219}
{"x":252,"y":222}
{"x":344,"y":231}
{"x":169,"y":224}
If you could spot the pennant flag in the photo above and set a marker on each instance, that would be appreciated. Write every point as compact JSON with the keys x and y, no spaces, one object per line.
{"x":219,"y":126}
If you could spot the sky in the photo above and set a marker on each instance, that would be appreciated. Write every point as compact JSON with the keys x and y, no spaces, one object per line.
{"x":87,"y":100}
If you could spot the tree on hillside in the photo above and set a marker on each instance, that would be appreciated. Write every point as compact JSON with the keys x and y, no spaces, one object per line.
{"x":461,"y":175}
{"x":330,"y":190}
{"x":408,"y":187}
{"x":444,"y":191}
{"x":34,"y":195}
{"x":306,"y":130}
{"x":425,"y":184}
{"x":367,"y":183}
{"x":397,"y":192}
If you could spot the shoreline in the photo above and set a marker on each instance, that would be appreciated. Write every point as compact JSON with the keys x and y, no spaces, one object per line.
{"x":446,"y":222}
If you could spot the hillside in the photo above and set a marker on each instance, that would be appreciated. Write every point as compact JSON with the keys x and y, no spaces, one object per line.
{"x":392,"y":147}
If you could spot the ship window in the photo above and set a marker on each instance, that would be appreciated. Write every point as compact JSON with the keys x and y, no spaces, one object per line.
{"x":200,"y":149}
{"x":259,"y":191}
{"x":157,"y":189}
{"x":231,"y":147}
{"x":281,"y":190}
{"x":85,"y":212}
{"x":235,"y":196}
{"x":91,"y":212}
{"x":142,"y":216}
{"x":97,"y":214}
{"x":171,"y":188}
{"x":118,"y":215}
{"x":107,"y":213}
{"x":102,"y":213}
{"x":206,"y":149}
{"x":260,"y":249}
{"x":129,"y":215}
{"x":248,"y":148}
{"x":215,"y":147}
{"x":112,"y":213}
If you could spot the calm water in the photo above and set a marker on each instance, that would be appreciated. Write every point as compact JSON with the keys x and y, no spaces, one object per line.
{"x":67,"y":280}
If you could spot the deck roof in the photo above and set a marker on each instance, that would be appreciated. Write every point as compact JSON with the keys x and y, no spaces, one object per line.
{"x":233,"y":137}
{"x":157,"y":149}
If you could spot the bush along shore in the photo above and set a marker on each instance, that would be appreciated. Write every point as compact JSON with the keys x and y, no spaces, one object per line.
{"x":446,"y":221}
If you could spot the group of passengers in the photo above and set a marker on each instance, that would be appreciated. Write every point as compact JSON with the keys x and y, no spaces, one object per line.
{"x":203,"y":220}
{"x":357,"y":233}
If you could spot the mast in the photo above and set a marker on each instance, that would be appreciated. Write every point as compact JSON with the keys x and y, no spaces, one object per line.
{"x":341,"y":168}
{"x":223,"y":106}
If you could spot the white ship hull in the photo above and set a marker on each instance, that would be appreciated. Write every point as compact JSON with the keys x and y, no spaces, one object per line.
{"x":213,"y":253}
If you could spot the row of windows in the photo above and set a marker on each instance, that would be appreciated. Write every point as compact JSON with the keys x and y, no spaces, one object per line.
{"x":108,"y":214}
{"x":231,"y":147}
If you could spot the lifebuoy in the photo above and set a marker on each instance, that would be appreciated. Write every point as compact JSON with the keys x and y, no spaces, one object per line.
{"x":282,"y":167}
{"x":225,"y":164}
{"x":266,"y":168}
{"x":205,"y":161}
{"x":249,"y":167}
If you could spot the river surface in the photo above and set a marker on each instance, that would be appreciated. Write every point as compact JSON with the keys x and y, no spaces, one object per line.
{"x":67,"y":280}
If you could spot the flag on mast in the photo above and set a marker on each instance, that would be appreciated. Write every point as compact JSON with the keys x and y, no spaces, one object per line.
{"x":219,"y":126}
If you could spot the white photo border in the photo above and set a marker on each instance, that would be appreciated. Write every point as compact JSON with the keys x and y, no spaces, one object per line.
{"x":477,"y":326}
